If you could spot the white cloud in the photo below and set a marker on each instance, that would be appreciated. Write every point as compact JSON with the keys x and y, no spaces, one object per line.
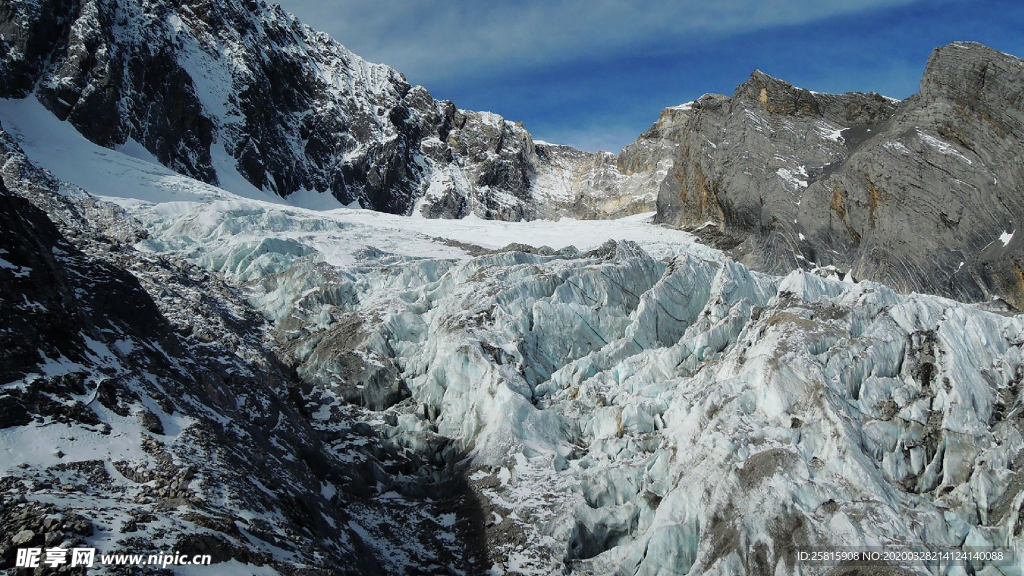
{"x":609,"y":137}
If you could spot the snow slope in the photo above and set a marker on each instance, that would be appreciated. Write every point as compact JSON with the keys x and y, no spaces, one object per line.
{"x":130,"y":178}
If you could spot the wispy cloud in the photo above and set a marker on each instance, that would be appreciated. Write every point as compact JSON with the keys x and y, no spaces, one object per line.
{"x":591,"y":137}
{"x":432,"y":41}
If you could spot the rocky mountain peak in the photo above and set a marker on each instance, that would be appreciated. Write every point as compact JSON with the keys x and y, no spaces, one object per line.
{"x":921,"y":194}
{"x":776,"y":96}
{"x":245,"y":96}
{"x":975,"y":76}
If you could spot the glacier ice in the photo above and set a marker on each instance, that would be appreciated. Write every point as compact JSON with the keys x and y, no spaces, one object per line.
{"x":643,"y":405}
{"x":652,"y":415}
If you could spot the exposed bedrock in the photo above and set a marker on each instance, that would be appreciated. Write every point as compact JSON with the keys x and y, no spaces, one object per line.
{"x":922,"y":195}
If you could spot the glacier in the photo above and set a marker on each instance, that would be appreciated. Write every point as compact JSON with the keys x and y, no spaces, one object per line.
{"x":620,"y":398}
{"x":681,"y":403}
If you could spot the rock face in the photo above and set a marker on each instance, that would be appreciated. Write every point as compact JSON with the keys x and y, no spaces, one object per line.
{"x":603,"y":185}
{"x":923,"y":195}
{"x":212,"y":88}
{"x":241,"y":94}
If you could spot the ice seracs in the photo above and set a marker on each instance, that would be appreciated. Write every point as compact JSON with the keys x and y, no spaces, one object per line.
{"x":644,"y":404}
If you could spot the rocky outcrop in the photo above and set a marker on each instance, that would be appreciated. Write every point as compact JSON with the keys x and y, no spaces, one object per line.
{"x":923,"y":195}
{"x":601,"y":185}
{"x":767,"y":143}
{"x":215,"y":88}
{"x":144,"y":410}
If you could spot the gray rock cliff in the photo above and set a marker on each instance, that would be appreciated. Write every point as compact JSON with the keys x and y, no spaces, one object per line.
{"x":923,"y":194}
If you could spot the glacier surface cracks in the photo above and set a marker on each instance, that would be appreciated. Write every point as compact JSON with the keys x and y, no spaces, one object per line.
{"x":643,"y":405}
{"x":619,"y":413}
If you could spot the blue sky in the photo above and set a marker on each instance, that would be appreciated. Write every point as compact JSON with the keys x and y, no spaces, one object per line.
{"x":595,"y":73}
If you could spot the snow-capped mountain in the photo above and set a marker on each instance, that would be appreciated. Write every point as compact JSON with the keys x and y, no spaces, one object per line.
{"x":922,"y":195}
{"x":242,"y":95}
{"x":356,"y":392}
{"x":206,"y":353}
{"x":144,"y":409}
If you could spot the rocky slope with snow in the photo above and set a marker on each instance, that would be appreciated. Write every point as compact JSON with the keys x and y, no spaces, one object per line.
{"x":370,"y":393}
{"x":922,"y":195}
{"x":145,"y":410}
